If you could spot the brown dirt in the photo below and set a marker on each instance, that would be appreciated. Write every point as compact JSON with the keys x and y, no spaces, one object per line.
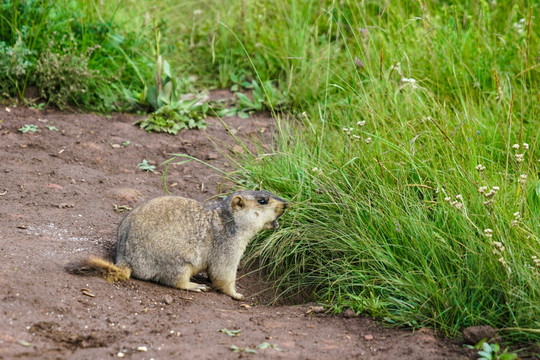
{"x":58,"y":190}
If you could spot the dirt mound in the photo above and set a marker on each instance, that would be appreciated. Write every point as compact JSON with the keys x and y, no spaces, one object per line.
{"x":63,"y":191}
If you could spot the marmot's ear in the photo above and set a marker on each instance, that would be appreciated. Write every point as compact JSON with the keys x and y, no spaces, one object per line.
{"x":238,"y":202}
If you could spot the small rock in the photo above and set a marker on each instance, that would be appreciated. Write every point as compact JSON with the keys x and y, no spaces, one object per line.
{"x":54,"y":186}
{"x":238,"y":149}
{"x":317,"y":309}
{"x":472,"y":335}
{"x":212,"y":156}
{"x":426,"y":335}
{"x":368,"y":337}
{"x":116,"y":146}
{"x":349,"y":313}
{"x":245,"y":306}
{"x":127,"y":194}
{"x":142,"y":349}
{"x":120,"y":354}
{"x":168,"y":299}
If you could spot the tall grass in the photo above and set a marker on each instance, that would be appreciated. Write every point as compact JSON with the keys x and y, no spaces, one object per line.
{"x":406,"y":111}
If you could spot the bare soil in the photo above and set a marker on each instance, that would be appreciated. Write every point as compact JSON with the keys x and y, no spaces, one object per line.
{"x":58,"y":192}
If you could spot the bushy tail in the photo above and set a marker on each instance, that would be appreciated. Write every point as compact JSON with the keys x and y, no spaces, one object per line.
{"x":94,"y":266}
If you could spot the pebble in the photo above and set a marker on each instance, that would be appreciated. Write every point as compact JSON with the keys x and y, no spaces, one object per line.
{"x":168,"y":299}
{"x":472,"y":335}
{"x":349,"y":313}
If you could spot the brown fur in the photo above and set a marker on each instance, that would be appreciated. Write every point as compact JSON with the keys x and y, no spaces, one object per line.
{"x":94,"y":266}
{"x":169,"y":239}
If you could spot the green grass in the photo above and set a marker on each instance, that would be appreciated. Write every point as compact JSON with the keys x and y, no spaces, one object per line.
{"x":94,"y":55}
{"x":386,"y":217}
{"x":370,"y":228}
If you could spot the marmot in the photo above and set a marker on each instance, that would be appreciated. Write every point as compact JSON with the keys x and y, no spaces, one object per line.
{"x":169,"y":239}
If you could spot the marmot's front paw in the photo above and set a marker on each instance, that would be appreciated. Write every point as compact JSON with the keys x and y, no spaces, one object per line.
{"x":237,"y":296}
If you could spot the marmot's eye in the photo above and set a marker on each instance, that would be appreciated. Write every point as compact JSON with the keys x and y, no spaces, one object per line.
{"x":262,"y":201}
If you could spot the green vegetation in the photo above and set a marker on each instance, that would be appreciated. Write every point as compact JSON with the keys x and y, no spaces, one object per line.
{"x":29,"y":128}
{"x":71,"y":52}
{"x":145,"y":166}
{"x":492,"y":352}
{"x":407,"y":135}
{"x":411,"y":201}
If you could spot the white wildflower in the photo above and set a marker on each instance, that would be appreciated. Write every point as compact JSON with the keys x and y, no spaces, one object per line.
{"x":361,"y":123}
{"x":525,"y":146}
{"x":406,"y":80}
{"x":368,"y":140}
{"x":492,"y":192}
{"x":488,"y":233}
{"x":522,"y":178}
{"x":480,"y":167}
{"x":459,"y":197}
{"x":482,"y":189}
{"x":515,"y":146}
{"x":447,"y":199}
{"x":499,"y":246}
{"x":519,"y":157}
{"x":536,"y":261}
{"x":520,"y":26}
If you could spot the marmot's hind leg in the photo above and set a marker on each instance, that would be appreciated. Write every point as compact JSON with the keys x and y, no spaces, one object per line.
{"x":183,"y":281}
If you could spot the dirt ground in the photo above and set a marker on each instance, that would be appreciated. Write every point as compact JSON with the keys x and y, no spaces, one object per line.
{"x":58,"y":192}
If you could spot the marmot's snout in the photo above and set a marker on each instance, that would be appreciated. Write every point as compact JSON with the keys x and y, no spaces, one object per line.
{"x":280,"y":210}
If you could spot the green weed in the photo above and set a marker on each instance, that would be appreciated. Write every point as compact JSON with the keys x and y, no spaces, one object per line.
{"x":145,"y":166}
{"x":171,"y":118}
{"x":230,"y":332}
{"x":492,"y":352}
{"x":29,"y":128}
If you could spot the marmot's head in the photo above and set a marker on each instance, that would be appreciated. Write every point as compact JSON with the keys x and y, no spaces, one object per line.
{"x":257,"y":209}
